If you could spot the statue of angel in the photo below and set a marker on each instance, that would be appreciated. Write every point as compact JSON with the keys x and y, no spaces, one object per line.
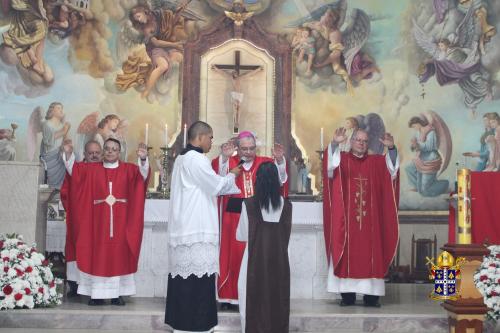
{"x":432,"y":146}
{"x":341,"y":49}
{"x":162,"y":31}
{"x":456,"y":59}
{"x":54,"y":131}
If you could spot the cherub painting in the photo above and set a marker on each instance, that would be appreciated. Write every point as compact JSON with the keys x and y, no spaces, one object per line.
{"x":91,"y":128}
{"x":7,"y":143}
{"x":24,"y":41}
{"x":337,"y":51}
{"x":454,"y":56}
{"x":162,"y":31}
{"x":432,"y":146}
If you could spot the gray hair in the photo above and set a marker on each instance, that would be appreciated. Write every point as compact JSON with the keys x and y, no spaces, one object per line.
{"x":356,"y":132}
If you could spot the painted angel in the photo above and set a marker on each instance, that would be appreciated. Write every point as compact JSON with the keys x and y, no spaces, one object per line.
{"x":24,"y":41}
{"x":456,"y":59}
{"x":7,"y":141}
{"x":341,"y":49}
{"x":91,"y":128}
{"x":162,"y":31}
{"x":54,"y":131}
{"x":66,"y":18}
{"x":432,"y":146}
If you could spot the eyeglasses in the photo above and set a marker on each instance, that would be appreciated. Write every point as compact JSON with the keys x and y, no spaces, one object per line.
{"x":248,"y":149}
{"x":361,"y":141}
{"x":114,"y":150}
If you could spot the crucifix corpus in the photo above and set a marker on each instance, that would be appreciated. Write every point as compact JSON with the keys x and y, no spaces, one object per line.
{"x":110,"y":201}
{"x":234,"y":72}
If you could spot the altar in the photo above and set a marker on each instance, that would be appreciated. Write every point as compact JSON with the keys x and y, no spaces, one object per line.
{"x":306,"y":249}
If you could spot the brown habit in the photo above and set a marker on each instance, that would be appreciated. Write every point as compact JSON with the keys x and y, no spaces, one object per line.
{"x":268,"y":277}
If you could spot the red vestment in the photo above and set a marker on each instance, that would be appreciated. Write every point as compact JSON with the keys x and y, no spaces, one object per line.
{"x":360,"y":218}
{"x":103,"y":248}
{"x":232,"y":250}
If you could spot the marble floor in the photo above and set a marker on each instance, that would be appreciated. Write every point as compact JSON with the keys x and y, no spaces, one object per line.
{"x":405,"y":308}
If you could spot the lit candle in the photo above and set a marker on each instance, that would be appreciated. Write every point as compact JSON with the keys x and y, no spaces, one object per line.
{"x":185,"y":135}
{"x":321,"y":139}
{"x":146,"y":134}
{"x":166,"y":135}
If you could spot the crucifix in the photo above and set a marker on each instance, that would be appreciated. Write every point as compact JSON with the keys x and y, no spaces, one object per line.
{"x":235,"y":75}
{"x":360,"y":200}
{"x":110,"y":201}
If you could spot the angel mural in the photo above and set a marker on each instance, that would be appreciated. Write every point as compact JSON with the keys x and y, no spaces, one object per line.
{"x":336,"y":51}
{"x":485,"y":148}
{"x":7,"y":141}
{"x":432,"y":146}
{"x":65,"y":18}
{"x":91,"y":128}
{"x":54,"y":131}
{"x":455,"y":53}
{"x":24,"y":41}
{"x":493,"y":142}
{"x":160,"y":32}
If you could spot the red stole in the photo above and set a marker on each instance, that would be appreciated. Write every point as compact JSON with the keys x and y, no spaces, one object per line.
{"x":104,"y":248}
{"x":360,"y":216}
{"x":232,"y":250}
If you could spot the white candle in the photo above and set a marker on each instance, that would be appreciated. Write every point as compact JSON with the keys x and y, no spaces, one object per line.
{"x":166,"y":135}
{"x":185,"y":135}
{"x":146,"y":134}
{"x":321,"y":139}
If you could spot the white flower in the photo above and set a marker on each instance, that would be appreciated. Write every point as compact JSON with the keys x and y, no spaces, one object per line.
{"x":11,"y":273}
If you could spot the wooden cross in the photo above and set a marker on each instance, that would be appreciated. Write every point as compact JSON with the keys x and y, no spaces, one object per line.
{"x":110,"y":200}
{"x":237,"y":65}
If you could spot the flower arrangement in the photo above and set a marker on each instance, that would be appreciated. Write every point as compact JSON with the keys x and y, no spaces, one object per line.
{"x":487,"y":281}
{"x":26,"y":278}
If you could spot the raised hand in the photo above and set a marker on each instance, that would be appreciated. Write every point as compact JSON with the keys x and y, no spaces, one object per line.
{"x":228,"y":149}
{"x":278,"y":153}
{"x":339,"y":136}
{"x":142,"y":151}
{"x":387,"y":140}
{"x":67,"y":147}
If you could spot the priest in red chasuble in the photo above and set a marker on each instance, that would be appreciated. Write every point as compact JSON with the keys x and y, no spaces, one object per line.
{"x":106,"y":201}
{"x":360,"y":216}
{"x":231,"y":250}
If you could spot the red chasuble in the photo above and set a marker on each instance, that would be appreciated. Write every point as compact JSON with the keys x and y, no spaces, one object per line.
{"x":231,"y":250}
{"x":107,"y":217}
{"x":360,"y":216}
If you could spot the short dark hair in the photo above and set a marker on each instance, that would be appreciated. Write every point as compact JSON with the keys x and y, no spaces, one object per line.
{"x":113,"y":140}
{"x":198,"y":128}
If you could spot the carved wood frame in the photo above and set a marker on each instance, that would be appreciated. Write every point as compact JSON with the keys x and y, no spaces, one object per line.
{"x":223,"y":30}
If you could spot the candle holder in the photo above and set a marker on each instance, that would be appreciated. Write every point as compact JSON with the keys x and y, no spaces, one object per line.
{"x":319,"y":196}
{"x":164,"y":186}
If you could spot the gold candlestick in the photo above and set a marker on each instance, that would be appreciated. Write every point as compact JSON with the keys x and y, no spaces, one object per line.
{"x":319,"y":196}
{"x":164,"y":187}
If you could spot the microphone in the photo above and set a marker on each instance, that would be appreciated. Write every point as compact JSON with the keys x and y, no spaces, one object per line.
{"x":241,"y":162}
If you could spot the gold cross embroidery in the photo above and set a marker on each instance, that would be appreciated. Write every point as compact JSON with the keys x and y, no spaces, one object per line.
{"x":360,"y":199}
{"x":110,"y":201}
{"x":247,"y":184}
